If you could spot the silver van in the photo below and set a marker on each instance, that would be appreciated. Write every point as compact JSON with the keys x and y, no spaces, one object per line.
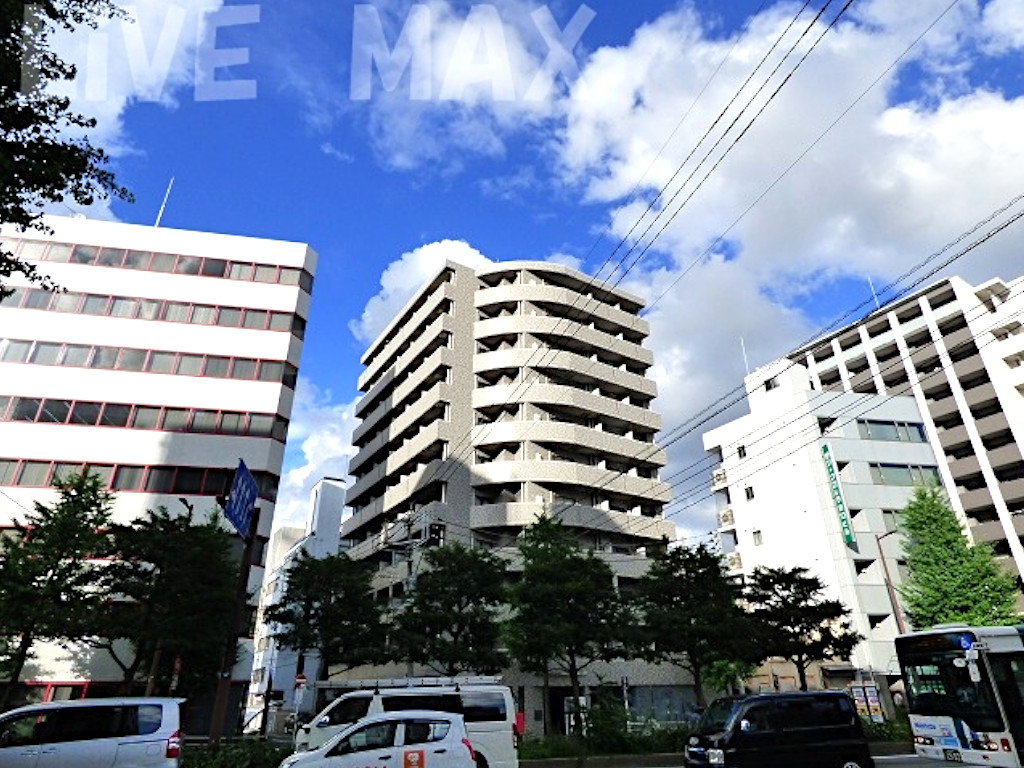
{"x":142,"y":732}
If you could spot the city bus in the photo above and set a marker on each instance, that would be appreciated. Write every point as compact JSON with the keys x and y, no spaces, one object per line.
{"x":965,"y":693}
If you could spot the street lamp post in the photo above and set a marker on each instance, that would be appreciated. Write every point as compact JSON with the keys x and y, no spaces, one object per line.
{"x":888,"y":583}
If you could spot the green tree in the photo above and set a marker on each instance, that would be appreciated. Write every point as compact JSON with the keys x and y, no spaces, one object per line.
{"x":328,"y":607}
{"x":689,"y":613}
{"x":48,"y":579}
{"x":44,"y":157}
{"x":450,"y":620}
{"x":951,"y":580}
{"x":566,"y":612}
{"x":795,"y":621}
{"x":172,"y":584}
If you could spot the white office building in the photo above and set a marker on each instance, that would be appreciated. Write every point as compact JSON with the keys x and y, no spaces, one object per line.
{"x":927,"y":389}
{"x":168,"y":356}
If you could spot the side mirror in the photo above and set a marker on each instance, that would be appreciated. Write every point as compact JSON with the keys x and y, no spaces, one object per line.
{"x":323,"y":722}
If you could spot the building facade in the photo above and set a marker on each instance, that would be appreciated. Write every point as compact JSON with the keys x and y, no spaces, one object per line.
{"x":167,"y":356}
{"x":495,"y":396}
{"x":927,"y":389}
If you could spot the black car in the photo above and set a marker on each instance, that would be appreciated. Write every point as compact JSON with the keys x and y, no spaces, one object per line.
{"x":819,"y":729}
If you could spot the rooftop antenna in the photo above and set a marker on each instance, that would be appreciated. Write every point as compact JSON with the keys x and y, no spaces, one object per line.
{"x":163,"y":205}
{"x":746,"y":363}
{"x":872,"y":285}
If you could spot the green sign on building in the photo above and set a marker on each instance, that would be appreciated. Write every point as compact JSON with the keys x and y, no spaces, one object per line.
{"x":836,"y":489}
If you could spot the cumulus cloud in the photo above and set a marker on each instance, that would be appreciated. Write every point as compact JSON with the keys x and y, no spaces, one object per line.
{"x":404,"y":276}
{"x":319,"y":445}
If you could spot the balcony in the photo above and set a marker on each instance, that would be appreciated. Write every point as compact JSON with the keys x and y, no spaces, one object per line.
{"x":734,"y":562}
{"x":718,"y":479}
{"x":726,"y":518}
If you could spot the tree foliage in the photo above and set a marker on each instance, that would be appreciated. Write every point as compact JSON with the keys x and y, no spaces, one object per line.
{"x":172,"y":585}
{"x":328,"y":607}
{"x":690,"y":615}
{"x":48,"y":576}
{"x":795,"y":621}
{"x":566,"y":612}
{"x":950,"y":579}
{"x":450,"y":620}
{"x":44,"y":155}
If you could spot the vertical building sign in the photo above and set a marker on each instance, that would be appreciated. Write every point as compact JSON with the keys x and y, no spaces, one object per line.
{"x":836,"y":490}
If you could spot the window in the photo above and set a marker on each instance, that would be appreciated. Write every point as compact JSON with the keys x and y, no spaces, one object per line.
{"x":84,"y":254}
{"x":889,"y":520}
{"x":162,"y":262}
{"x":213,"y":268}
{"x":741,"y":452}
{"x":46,"y":353}
{"x":203,"y":315}
{"x":175,"y":312}
{"x":95,"y":305}
{"x":136,"y":260}
{"x":190,"y":365}
{"x":271,"y":371}
{"x":149,"y":309}
{"x":243,"y":369}
{"x":188,"y":265}
{"x":55,"y":411}
{"x":34,"y":473}
{"x":758,"y":539}
{"x":232,"y":423}
{"x":771,"y":384}
{"x":85,"y":413}
{"x":749,"y":493}
{"x":217,"y":367}
{"x":425,"y":731}
{"x":375,"y":736}
{"x":175,"y":419}
{"x":116,"y":415}
{"x":25,"y":409}
{"x":265,"y":273}
{"x":131,"y":360}
{"x":188,"y":481}
{"x":66,"y":471}
{"x":483,"y":707}
{"x":903,"y":475}
{"x":122,"y":307}
{"x":14,"y":351}
{"x":261,"y":426}
{"x":160,"y":480}
{"x":161,"y":362}
{"x":111,"y":257}
{"x":240,"y":271}
{"x":7,"y":467}
{"x":146,"y":418}
{"x":349,"y":710}
{"x":66,"y":302}
{"x":229,"y":318}
{"x":37,"y":299}
{"x":76,"y":355}
{"x":255,"y":319}
{"x":103,"y":357}
{"x":204,"y":421}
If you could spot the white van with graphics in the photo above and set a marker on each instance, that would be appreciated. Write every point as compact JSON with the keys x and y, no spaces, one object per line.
{"x":488,"y":710}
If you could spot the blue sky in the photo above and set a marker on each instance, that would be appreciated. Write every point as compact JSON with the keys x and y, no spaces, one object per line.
{"x":499,"y":143}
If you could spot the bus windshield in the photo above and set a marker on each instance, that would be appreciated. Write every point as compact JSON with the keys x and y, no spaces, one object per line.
{"x":939,"y":683}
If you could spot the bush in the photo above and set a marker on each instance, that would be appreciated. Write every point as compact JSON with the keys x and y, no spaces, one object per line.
{"x":241,"y":754}
{"x":896,"y":729}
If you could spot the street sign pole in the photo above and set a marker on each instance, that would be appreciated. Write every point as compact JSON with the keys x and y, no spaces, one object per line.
{"x":220,"y":702}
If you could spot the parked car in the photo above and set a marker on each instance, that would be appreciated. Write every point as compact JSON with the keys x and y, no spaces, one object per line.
{"x":819,"y":729}
{"x":488,"y":710}
{"x":410,"y":739}
{"x":139,"y":732}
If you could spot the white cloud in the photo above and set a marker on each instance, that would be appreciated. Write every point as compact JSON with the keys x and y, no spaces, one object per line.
{"x":1004,"y":23}
{"x":404,"y":276}
{"x":319,"y":445}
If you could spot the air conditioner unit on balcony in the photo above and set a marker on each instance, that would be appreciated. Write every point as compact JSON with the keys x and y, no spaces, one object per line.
{"x":726,"y":518}
{"x":718,"y":476}
{"x":733,"y":561}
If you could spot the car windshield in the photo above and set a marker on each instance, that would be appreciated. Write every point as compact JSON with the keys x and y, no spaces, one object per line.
{"x":718,"y":716}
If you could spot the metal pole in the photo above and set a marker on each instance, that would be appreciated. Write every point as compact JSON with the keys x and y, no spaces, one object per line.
{"x":220,"y":702}
{"x":888,"y":584}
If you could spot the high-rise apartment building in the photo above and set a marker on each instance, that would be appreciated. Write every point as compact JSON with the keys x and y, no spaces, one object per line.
{"x":927,"y":389}
{"x":497,"y":395}
{"x":166,"y":357}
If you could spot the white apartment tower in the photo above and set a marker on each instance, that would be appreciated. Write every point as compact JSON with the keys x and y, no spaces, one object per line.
{"x":168,"y":356}
{"x":927,"y":389}
{"x":499,"y":394}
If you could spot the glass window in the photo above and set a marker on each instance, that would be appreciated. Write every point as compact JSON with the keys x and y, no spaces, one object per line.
{"x":76,"y":355}
{"x":190,"y":365}
{"x":883,"y":430}
{"x":218,"y":481}
{"x":136,"y":259}
{"x":271,"y":371}
{"x":21,"y":731}
{"x":111,"y":257}
{"x":175,"y":312}
{"x":240,"y":271}
{"x":103,"y":471}
{"x":260,"y":425}
{"x":894,"y":474}
{"x":7,"y":468}
{"x":374,"y":736}
{"x":232,"y":423}
{"x":127,"y":478}
{"x":59,"y":252}
{"x":132,"y":360}
{"x":37,"y":298}
{"x":160,"y":479}
{"x":175,"y":419}
{"x":243,"y":369}
{"x":4,"y":402}
{"x":255,"y":319}
{"x":104,"y":357}
{"x":34,"y":473}
{"x":15,"y":298}
{"x":149,"y":718}
{"x":146,"y":418}
{"x":425,"y":731}
{"x":95,"y":305}
{"x":123,"y":307}
{"x":290,"y":276}
{"x":280,"y":321}
{"x":204,"y":421}
{"x":63,"y":471}
{"x":161,"y":362}
{"x":291,"y":376}
{"x":214,"y":267}
{"x":32,"y":250}
{"x":306,"y":281}
{"x":115,"y":415}
{"x":46,"y":353}
{"x":188,"y":265}
{"x":188,"y":481}
{"x":84,"y":254}
{"x":149,"y":309}
{"x":280,"y":428}
{"x":163,"y":262}
{"x":66,"y":302}
{"x":266,"y":273}
{"x":14,"y":351}
{"x":483,"y":707}
{"x":217,"y":367}
{"x":85,"y":413}
{"x":55,"y":411}
{"x":25,"y":409}
{"x":229,"y":318}
{"x":204,"y":315}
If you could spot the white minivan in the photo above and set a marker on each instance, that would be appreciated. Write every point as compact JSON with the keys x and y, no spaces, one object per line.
{"x":142,"y":732}
{"x":489,"y":712}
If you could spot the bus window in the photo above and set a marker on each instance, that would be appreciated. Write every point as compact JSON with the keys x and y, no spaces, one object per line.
{"x":937,"y":686}
{"x":1008,"y":672}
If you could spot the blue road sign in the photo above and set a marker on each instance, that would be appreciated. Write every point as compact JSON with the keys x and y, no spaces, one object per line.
{"x":242,"y":499}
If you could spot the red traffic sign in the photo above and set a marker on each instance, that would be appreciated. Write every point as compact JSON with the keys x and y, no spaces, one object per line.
{"x":300,"y":680}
